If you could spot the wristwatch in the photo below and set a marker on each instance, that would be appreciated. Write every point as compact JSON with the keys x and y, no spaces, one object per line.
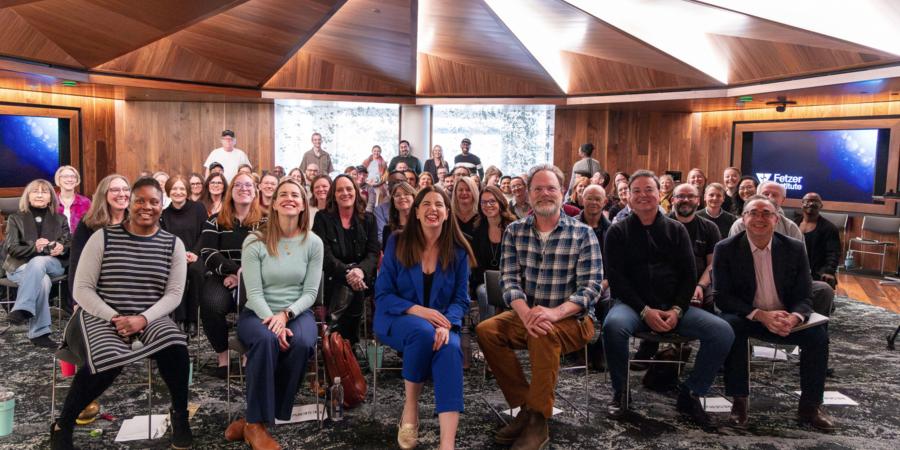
{"x":289,"y":313}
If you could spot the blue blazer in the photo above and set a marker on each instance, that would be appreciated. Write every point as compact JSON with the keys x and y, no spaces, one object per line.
{"x":398,"y":288}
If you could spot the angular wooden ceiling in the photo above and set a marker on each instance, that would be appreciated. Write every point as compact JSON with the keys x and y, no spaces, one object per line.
{"x":455,"y":48}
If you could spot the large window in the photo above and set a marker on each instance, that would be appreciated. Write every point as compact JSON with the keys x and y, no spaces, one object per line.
{"x":512,"y":137}
{"x":349,"y":130}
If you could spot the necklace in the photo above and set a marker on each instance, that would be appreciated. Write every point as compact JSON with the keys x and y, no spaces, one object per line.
{"x":495,"y":254}
{"x":287,"y":248}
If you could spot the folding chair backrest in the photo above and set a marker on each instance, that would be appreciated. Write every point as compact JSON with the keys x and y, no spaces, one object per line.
{"x":839,"y":220}
{"x":492,"y":285}
{"x":881,"y":225}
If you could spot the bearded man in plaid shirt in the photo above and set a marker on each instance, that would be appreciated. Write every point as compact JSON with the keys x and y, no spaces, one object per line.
{"x":551,"y":270}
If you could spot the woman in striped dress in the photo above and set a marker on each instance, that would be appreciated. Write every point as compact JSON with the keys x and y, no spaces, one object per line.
{"x":130,"y":277}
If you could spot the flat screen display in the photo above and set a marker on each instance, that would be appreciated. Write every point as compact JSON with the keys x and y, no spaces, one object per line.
{"x":841,"y":165}
{"x":31,"y":147}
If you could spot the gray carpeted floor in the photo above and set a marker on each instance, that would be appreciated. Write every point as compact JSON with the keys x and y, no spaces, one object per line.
{"x":864,"y":370}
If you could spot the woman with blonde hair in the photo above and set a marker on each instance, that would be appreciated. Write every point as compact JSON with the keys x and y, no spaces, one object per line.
{"x":492,"y":176}
{"x":436,"y":161}
{"x":37,"y":237}
{"x":282,"y":269}
{"x":71,"y":204}
{"x":465,"y":205}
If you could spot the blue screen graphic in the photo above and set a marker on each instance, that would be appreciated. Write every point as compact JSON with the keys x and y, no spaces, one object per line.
{"x":29,"y":149}
{"x":840,"y":165}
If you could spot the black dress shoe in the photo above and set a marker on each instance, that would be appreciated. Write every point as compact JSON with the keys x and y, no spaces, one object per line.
{"x":689,"y":405}
{"x":221,"y":372}
{"x":739,"y":416}
{"x":44,"y":341}
{"x":60,"y":439}
{"x":617,"y":407}
{"x":182,"y":438}
{"x":191,"y":329}
{"x":19,"y":317}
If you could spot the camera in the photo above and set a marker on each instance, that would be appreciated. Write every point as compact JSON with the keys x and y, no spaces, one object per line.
{"x":48,"y":248}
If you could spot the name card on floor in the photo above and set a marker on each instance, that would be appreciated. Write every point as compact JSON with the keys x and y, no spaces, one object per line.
{"x":769,"y":353}
{"x":135,"y":428}
{"x":835,"y":398}
{"x":304,"y":413}
{"x":716,"y":404}
{"x":515,"y":411}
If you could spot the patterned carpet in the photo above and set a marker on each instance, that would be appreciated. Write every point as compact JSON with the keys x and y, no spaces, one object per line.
{"x":864,"y":370}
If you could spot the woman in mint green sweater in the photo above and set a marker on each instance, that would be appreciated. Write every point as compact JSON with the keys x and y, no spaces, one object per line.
{"x":282,"y":269}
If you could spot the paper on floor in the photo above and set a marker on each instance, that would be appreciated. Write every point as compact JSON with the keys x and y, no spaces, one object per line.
{"x":515,"y":411}
{"x":715,"y":404}
{"x":760,"y":351}
{"x":303,"y":413}
{"x":835,"y":398}
{"x":135,"y":428}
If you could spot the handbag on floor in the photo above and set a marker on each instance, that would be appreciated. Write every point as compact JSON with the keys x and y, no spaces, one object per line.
{"x":664,"y":377}
{"x":341,"y":362}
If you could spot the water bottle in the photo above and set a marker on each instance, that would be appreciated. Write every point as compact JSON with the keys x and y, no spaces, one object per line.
{"x":336,"y":401}
{"x":849,"y":262}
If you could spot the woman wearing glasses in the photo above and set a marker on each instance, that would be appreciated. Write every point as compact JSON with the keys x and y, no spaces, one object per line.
{"x":495,"y":216}
{"x":220,"y":250}
{"x":215,"y":188}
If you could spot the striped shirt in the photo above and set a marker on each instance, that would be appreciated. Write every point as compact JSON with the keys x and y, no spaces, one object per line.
{"x":567,"y":266}
{"x":220,"y":249}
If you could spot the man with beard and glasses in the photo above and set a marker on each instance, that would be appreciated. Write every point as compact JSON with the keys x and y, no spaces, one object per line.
{"x":551,"y":270}
{"x":652,"y":278}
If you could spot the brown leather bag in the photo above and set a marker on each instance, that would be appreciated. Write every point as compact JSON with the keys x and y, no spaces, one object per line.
{"x":341,"y":362}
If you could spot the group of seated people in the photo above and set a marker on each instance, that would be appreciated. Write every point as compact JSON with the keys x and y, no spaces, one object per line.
{"x":145,"y":257}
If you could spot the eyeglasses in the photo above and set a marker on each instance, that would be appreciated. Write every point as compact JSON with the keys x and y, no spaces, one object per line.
{"x":68,"y":177}
{"x":245,"y":186}
{"x":489,"y":203}
{"x":118,"y":191}
{"x":197,"y":183}
{"x":747,"y":188}
{"x":217,"y":183}
{"x":685,"y":196}
{"x":760,"y":214}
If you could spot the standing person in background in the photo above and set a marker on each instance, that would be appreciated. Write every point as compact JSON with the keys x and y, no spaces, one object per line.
{"x":318,"y":156}
{"x":730,"y":178}
{"x":420,"y":302}
{"x":487,"y":237}
{"x":185,"y":219}
{"x":666,"y":185}
{"x":436,"y":162}
{"x":405,"y":156}
{"x":586,"y":164}
{"x":697,"y":177}
{"x":282,"y":269}
{"x":228,"y":156}
{"x":71,"y":204}
{"x":220,"y":251}
{"x":491,"y":176}
{"x":351,"y":255}
{"x":197,"y":192}
{"x":468,"y":160}
{"x":215,"y":188}
{"x":376,"y":167}
{"x":267,"y":185}
{"x":715,"y":196}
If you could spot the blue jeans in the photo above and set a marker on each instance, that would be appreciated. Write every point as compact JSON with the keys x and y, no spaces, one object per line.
{"x":485,"y":309}
{"x":33,"y":294}
{"x":715,"y":335}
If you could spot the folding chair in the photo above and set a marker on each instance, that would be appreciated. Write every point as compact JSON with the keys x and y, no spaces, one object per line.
{"x":651,"y":336}
{"x":879,"y":225}
{"x":10,"y":300}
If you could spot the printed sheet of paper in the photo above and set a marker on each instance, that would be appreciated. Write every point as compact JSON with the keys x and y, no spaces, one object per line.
{"x":135,"y":428}
{"x":716,"y":404}
{"x":303,"y":413}
{"x":835,"y":398}
{"x":515,"y":411}
{"x":769,"y":353}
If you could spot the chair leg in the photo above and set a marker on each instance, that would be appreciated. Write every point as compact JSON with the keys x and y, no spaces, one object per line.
{"x":228,"y":386}
{"x":149,"y":398}
{"x":628,"y":376}
{"x":53,"y":391}
{"x":587,"y":388}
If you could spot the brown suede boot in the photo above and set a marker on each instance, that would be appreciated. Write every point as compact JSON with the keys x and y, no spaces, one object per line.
{"x":535,"y":436}
{"x":235,"y":430}
{"x":259,"y":438}
{"x":509,"y":433}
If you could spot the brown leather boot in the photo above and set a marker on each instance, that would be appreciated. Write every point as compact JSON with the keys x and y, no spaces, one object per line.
{"x":739,"y":417}
{"x":259,"y":438}
{"x":816,"y":417}
{"x":509,"y":433}
{"x":235,"y":430}
{"x":535,"y":436}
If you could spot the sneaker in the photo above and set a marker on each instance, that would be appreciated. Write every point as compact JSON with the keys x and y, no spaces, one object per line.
{"x":19,"y":317}
{"x":181,"y":429}
{"x":44,"y":341}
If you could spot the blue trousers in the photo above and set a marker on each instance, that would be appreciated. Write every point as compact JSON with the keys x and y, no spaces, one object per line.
{"x":414,"y":336}
{"x":714,"y":333}
{"x":274,"y":376}
{"x":813,"y":344}
{"x":33,"y":294}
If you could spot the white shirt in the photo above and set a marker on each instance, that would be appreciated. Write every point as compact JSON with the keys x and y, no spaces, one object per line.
{"x":766,"y":296}
{"x":230,"y":161}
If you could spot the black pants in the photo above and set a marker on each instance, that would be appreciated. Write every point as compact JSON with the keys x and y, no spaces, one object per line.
{"x":190,"y":301}
{"x":345,"y":308}
{"x":174,"y":367}
{"x":215,"y":304}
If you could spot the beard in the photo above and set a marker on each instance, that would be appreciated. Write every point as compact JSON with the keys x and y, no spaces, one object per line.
{"x":685,"y":210}
{"x":545,"y":208}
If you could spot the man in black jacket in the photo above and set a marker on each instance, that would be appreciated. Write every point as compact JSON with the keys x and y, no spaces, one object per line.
{"x":652,"y":275}
{"x":762,"y":283}
{"x":823,"y":247}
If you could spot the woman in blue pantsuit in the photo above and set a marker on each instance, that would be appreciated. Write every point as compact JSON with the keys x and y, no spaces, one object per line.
{"x":421,"y":296}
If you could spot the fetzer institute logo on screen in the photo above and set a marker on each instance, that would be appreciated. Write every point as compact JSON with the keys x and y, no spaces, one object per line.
{"x":790,"y":182}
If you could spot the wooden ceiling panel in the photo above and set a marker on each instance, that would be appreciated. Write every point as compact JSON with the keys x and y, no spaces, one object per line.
{"x":18,"y":38}
{"x":374,"y":39}
{"x":93,"y":33}
{"x":466,"y":33}
{"x":256,"y":38}
{"x":752,"y":60}
{"x":443,"y":77}
{"x":165,"y":59}
{"x":306,"y":71}
{"x":588,"y":74}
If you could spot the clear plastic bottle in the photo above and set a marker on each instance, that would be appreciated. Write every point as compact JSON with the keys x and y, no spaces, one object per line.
{"x":336,"y":401}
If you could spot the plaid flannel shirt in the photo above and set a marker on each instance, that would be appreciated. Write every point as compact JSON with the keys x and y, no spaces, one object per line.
{"x":567,"y":267}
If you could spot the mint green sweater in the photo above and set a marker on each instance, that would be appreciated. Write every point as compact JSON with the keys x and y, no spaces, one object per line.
{"x":289,"y":280}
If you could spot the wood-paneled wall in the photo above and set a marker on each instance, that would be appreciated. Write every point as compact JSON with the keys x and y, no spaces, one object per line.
{"x":98,"y":136}
{"x":177,"y":136}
